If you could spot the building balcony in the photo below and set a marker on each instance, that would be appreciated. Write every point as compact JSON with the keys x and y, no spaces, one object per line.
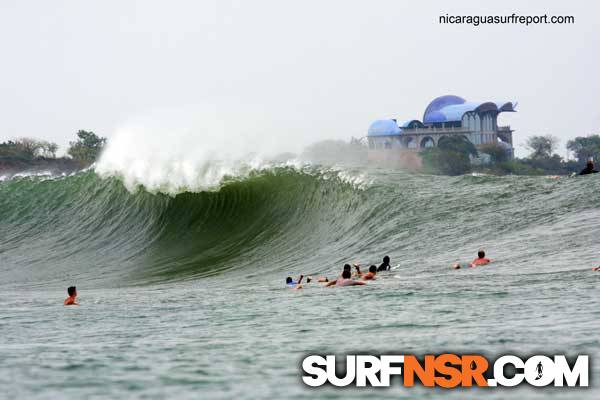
{"x":434,"y":130}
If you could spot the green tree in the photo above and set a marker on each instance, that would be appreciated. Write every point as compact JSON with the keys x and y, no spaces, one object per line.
{"x":29,"y":147}
{"x":541,"y":146}
{"x":450,"y":157}
{"x":553,"y":164}
{"x":87,"y":147}
{"x":52,"y":148}
{"x":458,"y":144}
{"x":497,"y":153}
{"x":8,"y":149}
{"x":48,"y":149}
{"x":585,"y":147}
{"x":446,"y":162}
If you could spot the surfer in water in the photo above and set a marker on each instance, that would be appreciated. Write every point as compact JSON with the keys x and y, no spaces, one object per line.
{"x":385,"y":265}
{"x":480,"y":260}
{"x":366,"y":276}
{"x":346,"y":280}
{"x":290,"y":283}
{"x":72,"y":299}
{"x":346,"y":272}
{"x":589,"y":168}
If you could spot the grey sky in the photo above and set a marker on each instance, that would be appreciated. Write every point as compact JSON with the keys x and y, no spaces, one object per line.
{"x":327,"y":67}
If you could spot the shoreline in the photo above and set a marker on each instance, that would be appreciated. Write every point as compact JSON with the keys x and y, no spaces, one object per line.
{"x":11,"y":167}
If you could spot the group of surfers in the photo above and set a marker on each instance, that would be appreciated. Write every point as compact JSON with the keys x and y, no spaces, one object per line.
{"x":357,"y":278}
{"x":347,"y":277}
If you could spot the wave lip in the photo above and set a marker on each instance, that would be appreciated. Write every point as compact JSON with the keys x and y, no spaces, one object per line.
{"x":178,"y":176}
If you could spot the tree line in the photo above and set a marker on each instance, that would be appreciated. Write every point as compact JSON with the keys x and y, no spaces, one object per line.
{"x":86,"y":148}
{"x":453,"y":156}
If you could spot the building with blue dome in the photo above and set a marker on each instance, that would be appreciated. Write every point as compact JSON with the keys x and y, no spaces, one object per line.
{"x":445,"y":116}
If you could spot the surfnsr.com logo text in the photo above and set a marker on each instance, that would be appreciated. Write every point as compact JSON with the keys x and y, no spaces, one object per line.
{"x":447,"y":371}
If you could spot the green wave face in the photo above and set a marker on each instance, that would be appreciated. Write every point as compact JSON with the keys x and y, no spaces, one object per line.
{"x":282,"y":221}
{"x":83,"y":226}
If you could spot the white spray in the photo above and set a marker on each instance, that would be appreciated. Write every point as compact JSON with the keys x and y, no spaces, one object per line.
{"x":195,"y":148}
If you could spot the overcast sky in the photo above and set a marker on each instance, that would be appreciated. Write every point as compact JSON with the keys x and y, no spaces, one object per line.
{"x":327,"y":67}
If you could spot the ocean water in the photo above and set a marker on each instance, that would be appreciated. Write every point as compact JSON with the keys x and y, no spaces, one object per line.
{"x":182,"y":291}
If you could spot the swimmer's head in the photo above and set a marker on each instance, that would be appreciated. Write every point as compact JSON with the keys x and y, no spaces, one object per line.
{"x":346,"y":274}
{"x":347,"y":267}
{"x":72,"y":291}
{"x":288,"y":280}
{"x":386,"y":259}
{"x":373,"y":268}
{"x":481,"y":254}
{"x":590,"y":164}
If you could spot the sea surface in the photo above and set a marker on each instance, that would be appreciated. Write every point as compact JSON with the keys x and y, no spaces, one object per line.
{"x":182,"y":294}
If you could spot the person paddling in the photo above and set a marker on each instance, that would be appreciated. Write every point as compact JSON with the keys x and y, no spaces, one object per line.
{"x":347,"y":280}
{"x":72,"y":299}
{"x":366,"y":276}
{"x":290,"y":283}
{"x":385,"y":265}
{"x":480,"y":260}
{"x":348,"y":268}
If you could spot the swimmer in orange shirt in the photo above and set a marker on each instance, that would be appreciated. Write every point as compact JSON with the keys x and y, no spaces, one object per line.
{"x":72,"y":299}
{"x":480,"y":260}
{"x":366,"y":276}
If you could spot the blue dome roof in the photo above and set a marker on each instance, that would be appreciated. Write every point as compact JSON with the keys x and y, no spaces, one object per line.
{"x":440,"y":102}
{"x":384,"y":127}
{"x":452,"y":108}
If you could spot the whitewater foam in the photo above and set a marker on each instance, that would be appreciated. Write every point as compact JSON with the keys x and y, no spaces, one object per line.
{"x":182,"y":176}
{"x":201,"y":149}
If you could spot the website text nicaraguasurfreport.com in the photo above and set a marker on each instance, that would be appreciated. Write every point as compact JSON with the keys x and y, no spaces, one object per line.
{"x":477,"y":20}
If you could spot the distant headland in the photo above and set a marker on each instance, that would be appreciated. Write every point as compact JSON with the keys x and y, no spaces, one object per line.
{"x":36,"y":156}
